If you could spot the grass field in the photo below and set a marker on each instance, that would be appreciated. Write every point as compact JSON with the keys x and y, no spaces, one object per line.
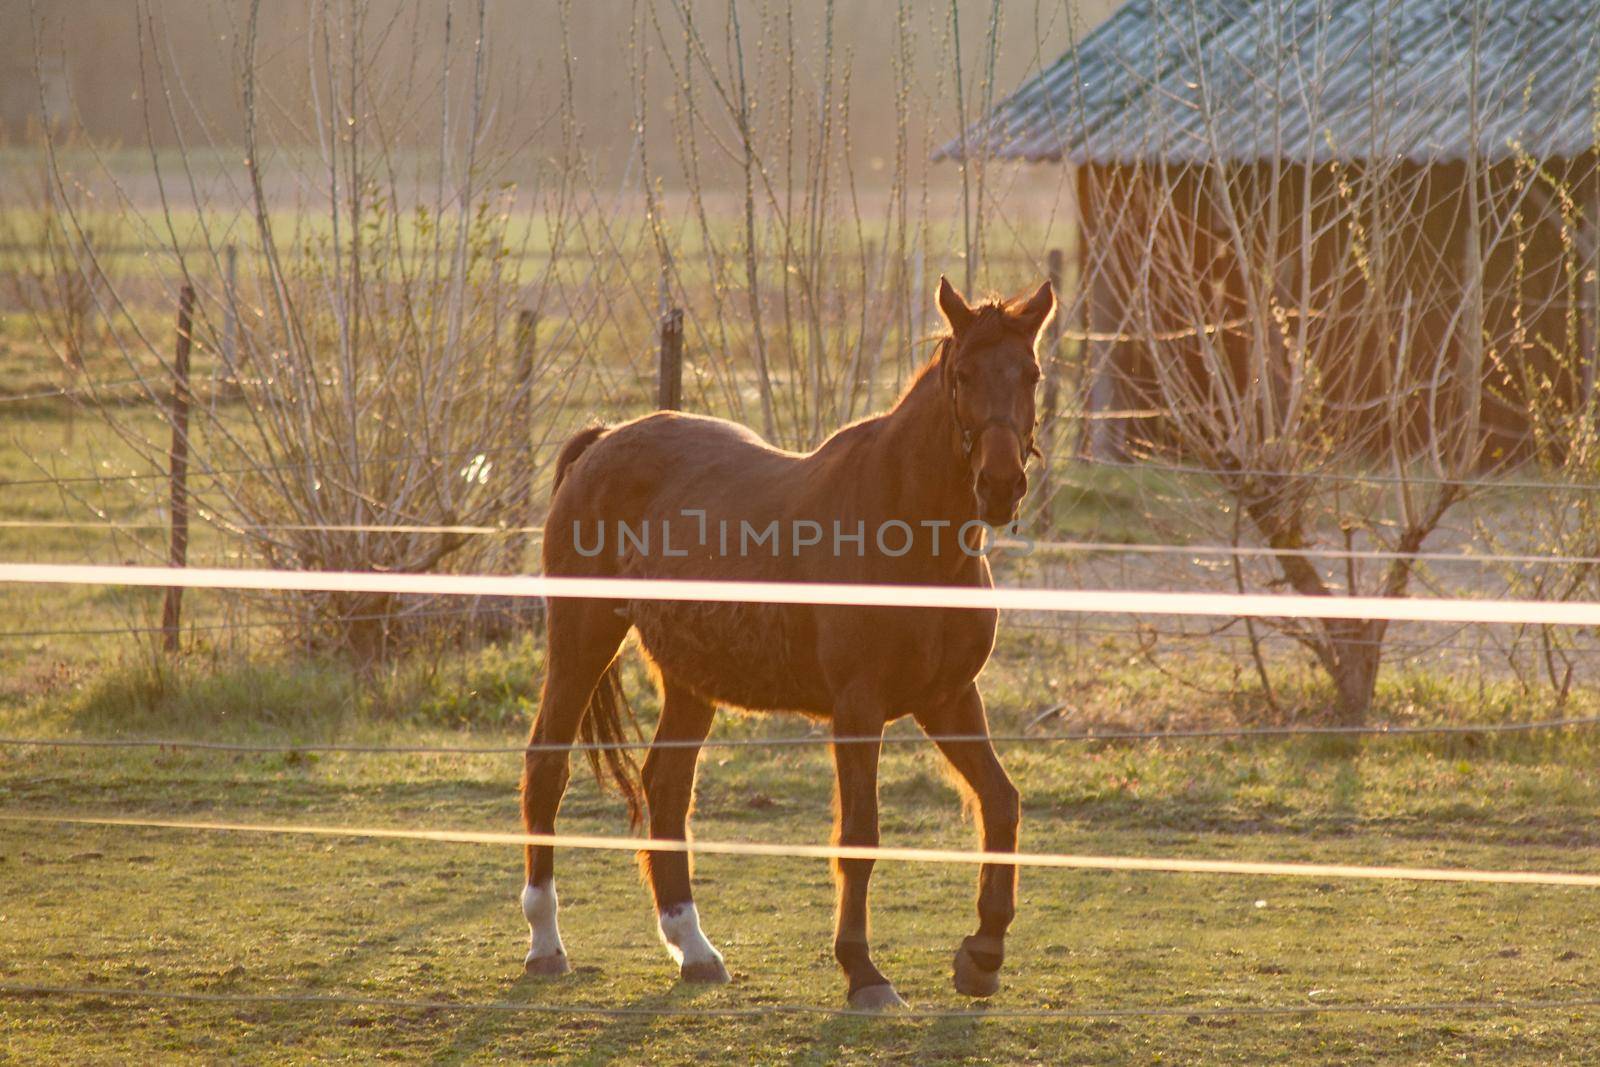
{"x":239,"y":915}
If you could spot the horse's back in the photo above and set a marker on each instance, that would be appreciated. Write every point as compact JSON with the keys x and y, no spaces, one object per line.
{"x":673,"y":496}
{"x":659,"y":465}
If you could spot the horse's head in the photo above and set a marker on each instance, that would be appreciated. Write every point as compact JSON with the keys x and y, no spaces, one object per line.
{"x":989,"y":372}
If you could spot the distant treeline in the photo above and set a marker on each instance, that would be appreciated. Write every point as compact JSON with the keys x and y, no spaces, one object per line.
{"x":88,"y":59}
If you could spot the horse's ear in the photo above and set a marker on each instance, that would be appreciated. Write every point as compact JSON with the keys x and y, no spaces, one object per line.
{"x":954,"y":306}
{"x":1031,"y":314}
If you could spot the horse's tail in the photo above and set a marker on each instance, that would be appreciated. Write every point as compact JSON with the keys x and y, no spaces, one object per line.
{"x":577,"y":446}
{"x":603,"y":720}
{"x":602,"y":727}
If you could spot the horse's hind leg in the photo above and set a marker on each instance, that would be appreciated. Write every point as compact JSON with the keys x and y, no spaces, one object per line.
{"x":583,"y":637}
{"x":668,"y":776}
{"x":978,"y":959}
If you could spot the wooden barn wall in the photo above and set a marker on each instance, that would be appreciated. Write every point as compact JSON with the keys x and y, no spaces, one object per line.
{"x":1159,"y":256}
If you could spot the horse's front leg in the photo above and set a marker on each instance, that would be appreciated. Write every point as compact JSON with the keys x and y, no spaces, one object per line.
{"x":858,"y":736}
{"x":978,"y":959}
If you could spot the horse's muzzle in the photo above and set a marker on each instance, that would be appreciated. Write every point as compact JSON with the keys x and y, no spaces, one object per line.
{"x":1000,"y":473}
{"x":999,"y":498}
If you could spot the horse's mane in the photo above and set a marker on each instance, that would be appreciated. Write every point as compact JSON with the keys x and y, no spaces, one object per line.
{"x":990,"y":321}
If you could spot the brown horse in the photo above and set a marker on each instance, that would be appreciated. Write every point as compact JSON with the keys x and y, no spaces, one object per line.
{"x":907,"y":497}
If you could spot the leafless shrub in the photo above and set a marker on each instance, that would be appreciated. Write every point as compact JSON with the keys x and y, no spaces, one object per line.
{"x":379,"y":383}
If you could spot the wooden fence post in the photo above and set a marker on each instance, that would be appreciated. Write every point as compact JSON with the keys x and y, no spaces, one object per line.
{"x":178,"y":468}
{"x":669,"y":370}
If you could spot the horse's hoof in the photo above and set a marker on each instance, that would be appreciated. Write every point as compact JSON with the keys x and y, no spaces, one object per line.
{"x":709,"y":972}
{"x":971,"y":979}
{"x":877,"y":998}
{"x":547,"y":966}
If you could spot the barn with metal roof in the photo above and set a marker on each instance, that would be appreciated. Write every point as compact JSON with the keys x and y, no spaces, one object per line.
{"x":1215,"y":147}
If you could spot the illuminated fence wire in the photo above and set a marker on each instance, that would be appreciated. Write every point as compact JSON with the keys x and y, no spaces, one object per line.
{"x":44,"y":991}
{"x":826,"y":594}
{"x":769,"y":850}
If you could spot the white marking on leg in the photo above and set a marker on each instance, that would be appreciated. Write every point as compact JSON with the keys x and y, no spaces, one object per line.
{"x":680,"y":932}
{"x":539,"y":908}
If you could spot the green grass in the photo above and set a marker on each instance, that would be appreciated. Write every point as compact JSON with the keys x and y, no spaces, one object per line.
{"x":237,"y":914}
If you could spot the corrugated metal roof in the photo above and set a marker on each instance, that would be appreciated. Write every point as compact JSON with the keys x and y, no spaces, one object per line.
{"x":1185,"y":81}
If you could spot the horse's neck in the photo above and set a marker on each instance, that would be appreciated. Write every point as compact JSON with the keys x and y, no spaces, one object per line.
{"x":917,"y":444}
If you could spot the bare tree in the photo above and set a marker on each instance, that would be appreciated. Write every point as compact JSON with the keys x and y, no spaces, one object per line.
{"x":1328,"y":310}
